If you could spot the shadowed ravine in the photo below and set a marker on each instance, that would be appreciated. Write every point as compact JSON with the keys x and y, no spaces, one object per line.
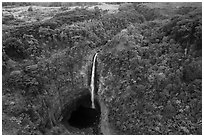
{"x":87,"y":111}
{"x":80,"y":117}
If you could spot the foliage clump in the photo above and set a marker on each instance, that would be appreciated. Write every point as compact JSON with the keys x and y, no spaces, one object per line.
{"x":14,"y":48}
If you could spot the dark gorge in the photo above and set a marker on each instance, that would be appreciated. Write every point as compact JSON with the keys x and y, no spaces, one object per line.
{"x":79,"y":114}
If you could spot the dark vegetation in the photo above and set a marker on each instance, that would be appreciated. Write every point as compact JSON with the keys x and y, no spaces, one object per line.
{"x":48,"y":4}
{"x":150,"y":70}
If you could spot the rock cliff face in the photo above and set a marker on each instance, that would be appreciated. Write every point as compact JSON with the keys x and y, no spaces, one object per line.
{"x":106,"y":127}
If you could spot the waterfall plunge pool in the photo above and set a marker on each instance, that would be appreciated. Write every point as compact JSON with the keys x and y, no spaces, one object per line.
{"x":79,"y":115}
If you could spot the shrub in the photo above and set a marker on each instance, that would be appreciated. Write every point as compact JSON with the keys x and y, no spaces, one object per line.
{"x":30,"y":9}
{"x":193,"y":71}
{"x":14,"y":48}
{"x":148,"y":13}
{"x":186,"y":30}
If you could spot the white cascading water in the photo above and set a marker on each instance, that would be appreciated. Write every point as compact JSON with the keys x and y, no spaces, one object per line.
{"x":92,"y":81}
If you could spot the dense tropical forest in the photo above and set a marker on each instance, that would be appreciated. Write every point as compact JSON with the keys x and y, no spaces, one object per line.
{"x":149,"y":67}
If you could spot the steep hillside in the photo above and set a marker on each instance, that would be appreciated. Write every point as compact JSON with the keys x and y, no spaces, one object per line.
{"x":148,"y":69}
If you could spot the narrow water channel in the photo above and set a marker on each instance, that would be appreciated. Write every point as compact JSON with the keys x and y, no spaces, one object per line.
{"x":92,"y":86}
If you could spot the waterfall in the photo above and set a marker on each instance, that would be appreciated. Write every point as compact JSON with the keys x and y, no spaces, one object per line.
{"x":92,"y":81}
